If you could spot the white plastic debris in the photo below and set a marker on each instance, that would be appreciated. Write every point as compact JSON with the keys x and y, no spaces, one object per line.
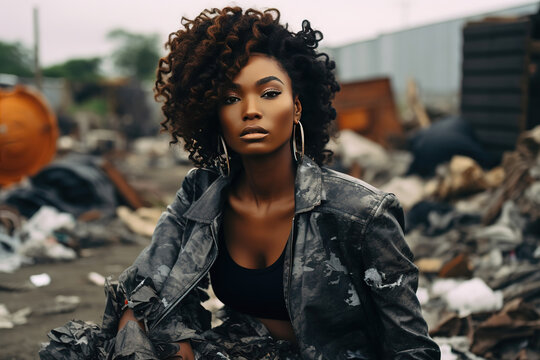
{"x":62,"y":304}
{"x":460,"y":344}
{"x":5,"y":318}
{"x":536,"y":253}
{"x":473,"y":296}
{"x":9,"y":320}
{"x":423,"y":295}
{"x":40,"y":280}
{"x":10,"y":258}
{"x":352,"y":148}
{"x":39,"y":241}
{"x":409,"y":190}
{"x":63,"y":299}
{"x":441,"y":287}
{"x":96,"y":279}
{"x":446,"y":353}
{"x":48,"y":248}
{"x":9,"y":264}
{"x":45,"y":221}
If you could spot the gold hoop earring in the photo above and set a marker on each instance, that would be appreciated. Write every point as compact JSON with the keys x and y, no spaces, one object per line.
{"x":298,"y":156}
{"x":220,"y":157}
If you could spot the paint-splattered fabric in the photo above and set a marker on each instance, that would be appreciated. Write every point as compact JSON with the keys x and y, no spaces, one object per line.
{"x":349,"y":281}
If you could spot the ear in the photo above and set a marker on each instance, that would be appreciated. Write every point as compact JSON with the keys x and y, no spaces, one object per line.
{"x":297,"y":109}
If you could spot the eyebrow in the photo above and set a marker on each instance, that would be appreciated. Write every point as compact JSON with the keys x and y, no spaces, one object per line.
{"x":267,"y":79}
{"x":259,"y":82}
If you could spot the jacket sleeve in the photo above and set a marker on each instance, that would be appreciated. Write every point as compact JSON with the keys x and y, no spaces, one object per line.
{"x":140,"y":285}
{"x":392,"y":280}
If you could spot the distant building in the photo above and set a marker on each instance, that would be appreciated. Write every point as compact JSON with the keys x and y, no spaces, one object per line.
{"x":429,"y":54}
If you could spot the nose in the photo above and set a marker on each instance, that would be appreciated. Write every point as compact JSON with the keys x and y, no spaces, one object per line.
{"x":251,"y":108}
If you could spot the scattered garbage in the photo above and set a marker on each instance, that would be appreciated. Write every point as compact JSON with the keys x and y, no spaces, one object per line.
{"x":51,"y":235}
{"x":40,"y":280}
{"x":10,"y":240}
{"x":367,"y":159}
{"x":516,"y":322}
{"x":62,"y":304}
{"x":142,"y":221}
{"x":455,"y":347}
{"x":446,"y":353}
{"x":423,"y":295}
{"x":473,"y":296}
{"x":409,"y":190}
{"x":463,"y":176}
{"x":46,"y":220}
{"x":72,"y":184}
{"x":476,"y":239}
{"x":96,"y":279}
{"x":10,"y":260}
{"x":37,"y":235}
{"x":9,"y":320}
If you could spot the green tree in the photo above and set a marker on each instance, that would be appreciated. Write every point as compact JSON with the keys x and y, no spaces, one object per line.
{"x":137,"y":55}
{"x":81,"y":70}
{"x":15,"y":59}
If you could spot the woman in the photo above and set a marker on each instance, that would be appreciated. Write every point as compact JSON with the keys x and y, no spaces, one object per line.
{"x":310,"y":263}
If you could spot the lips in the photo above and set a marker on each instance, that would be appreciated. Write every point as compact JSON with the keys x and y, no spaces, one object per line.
{"x":253,"y":130}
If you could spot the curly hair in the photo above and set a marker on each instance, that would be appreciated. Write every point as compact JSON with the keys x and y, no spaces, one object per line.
{"x":211,"y":50}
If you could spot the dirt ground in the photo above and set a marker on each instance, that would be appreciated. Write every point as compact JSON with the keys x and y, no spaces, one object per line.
{"x":71,"y":278}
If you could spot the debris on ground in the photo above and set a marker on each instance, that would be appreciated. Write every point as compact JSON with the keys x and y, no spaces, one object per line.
{"x":96,"y":279}
{"x":62,"y":304}
{"x":475,"y":242}
{"x":9,"y":320}
{"x":40,"y":280}
{"x":70,"y":205}
{"x":141,"y":221}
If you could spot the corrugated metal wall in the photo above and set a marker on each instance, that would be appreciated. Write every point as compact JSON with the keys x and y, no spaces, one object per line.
{"x":430,"y":54}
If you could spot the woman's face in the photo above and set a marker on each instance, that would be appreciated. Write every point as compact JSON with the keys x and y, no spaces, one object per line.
{"x":259,"y":109}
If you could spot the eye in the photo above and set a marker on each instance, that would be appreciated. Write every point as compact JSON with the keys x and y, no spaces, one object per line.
{"x":230,"y":99}
{"x":270,"y":94}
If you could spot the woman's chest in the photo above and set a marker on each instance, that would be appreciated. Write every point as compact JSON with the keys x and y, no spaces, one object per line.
{"x":256,"y":239}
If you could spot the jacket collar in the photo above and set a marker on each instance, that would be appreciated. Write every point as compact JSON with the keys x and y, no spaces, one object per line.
{"x":308,"y":193}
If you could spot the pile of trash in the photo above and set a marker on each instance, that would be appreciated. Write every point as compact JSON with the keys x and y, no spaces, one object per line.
{"x":75,"y":203}
{"x":475,"y":234}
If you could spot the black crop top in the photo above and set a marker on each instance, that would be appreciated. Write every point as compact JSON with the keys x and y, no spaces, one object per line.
{"x":256,"y":292}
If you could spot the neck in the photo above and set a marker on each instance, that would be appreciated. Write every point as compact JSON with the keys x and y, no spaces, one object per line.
{"x":267,"y":178}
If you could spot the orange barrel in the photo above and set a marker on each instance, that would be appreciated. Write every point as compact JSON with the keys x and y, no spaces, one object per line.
{"x":28,"y":133}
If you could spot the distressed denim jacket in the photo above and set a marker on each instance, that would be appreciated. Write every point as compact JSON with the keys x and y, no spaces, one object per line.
{"x":349,"y":280}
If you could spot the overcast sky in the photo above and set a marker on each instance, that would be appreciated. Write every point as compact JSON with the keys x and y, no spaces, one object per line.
{"x":78,"y":28}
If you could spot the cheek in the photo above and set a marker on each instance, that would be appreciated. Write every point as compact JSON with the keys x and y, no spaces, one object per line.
{"x":284,"y":115}
{"x":225,"y":116}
